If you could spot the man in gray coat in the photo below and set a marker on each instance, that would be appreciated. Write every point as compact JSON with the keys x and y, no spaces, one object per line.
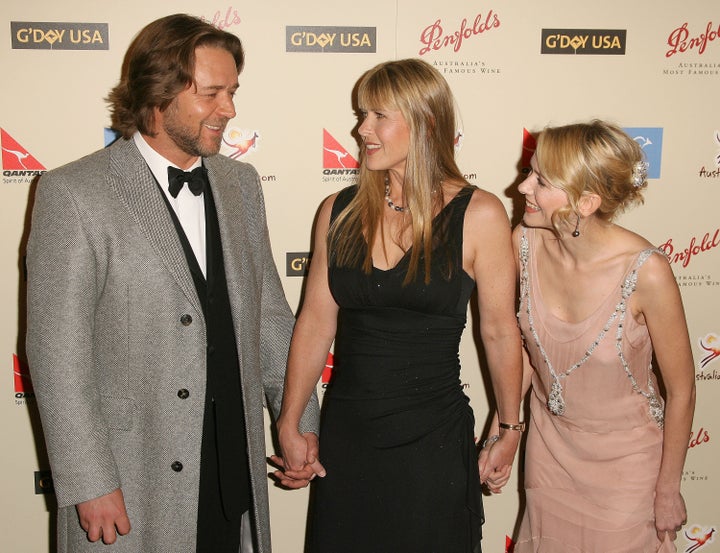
{"x":157,"y":324}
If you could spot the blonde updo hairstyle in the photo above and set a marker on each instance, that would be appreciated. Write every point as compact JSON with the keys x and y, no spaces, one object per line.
{"x":596,"y":158}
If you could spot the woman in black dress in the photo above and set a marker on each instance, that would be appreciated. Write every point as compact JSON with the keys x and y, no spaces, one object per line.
{"x":396,"y":260}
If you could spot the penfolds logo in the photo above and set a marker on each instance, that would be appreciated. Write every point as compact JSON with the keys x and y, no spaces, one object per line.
{"x":224,"y":20}
{"x":434,"y":37}
{"x":698,"y":438}
{"x":680,"y":40}
{"x":696,"y":246}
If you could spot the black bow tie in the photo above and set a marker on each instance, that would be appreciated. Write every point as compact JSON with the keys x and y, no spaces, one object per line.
{"x":196,"y":180}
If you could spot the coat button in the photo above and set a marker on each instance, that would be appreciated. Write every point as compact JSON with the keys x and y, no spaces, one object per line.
{"x":186,"y":320}
{"x":183,"y":393}
{"x":176,"y":466}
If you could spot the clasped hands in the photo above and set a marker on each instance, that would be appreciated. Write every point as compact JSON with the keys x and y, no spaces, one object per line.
{"x":495,"y":461}
{"x":299,"y":462}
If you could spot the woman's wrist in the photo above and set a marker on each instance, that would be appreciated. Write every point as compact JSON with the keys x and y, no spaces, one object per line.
{"x":490,"y":440}
{"x":518,"y":427}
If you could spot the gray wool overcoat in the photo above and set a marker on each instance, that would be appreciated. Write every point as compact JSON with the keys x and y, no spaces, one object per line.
{"x":110,"y":344}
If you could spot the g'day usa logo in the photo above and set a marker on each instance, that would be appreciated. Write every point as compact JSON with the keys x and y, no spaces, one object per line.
{"x":584,"y":41}
{"x":32,"y":35}
{"x":331,"y":39}
{"x":18,"y":164}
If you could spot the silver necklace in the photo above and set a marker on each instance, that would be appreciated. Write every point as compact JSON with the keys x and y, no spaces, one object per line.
{"x":390,"y":203}
{"x":556,"y":402}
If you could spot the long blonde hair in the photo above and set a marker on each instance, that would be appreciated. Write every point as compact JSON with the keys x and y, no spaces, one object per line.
{"x":423,"y":97}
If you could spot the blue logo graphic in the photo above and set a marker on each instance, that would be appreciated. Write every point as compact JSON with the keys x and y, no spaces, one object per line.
{"x":110,"y":136}
{"x":650,"y":140}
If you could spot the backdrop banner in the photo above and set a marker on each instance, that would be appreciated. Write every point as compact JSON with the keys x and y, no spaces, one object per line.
{"x":651,"y":66}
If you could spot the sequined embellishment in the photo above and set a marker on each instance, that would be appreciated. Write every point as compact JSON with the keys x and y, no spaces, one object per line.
{"x":556,"y":402}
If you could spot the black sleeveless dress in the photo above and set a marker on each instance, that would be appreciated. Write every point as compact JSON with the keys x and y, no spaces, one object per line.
{"x":397,"y":430}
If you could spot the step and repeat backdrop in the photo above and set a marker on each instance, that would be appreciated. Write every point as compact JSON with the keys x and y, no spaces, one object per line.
{"x":652,"y":66}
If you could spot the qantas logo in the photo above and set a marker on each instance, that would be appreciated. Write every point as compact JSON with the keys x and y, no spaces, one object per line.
{"x":16,"y":160}
{"x":21,"y":378}
{"x":335,"y":156}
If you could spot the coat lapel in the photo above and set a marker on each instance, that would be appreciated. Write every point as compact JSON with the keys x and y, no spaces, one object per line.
{"x":228,"y":205}
{"x":131,"y":179}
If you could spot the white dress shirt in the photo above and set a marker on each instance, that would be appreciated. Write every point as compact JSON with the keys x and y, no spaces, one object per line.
{"x":189,"y":208}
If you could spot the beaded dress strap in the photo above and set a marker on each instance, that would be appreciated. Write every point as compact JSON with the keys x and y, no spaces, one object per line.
{"x":556,"y":401}
{"x":657,"y":412}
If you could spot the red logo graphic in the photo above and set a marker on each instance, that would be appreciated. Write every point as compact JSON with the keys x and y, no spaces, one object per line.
{"x":680,"y":41}
{"x":240,"y":142}
{"x":528,"y":149}
{"x":711,"y":344}
{"x":335,"y":156}
{"x":434,"y":37}
{"x":699,"y":537}
{"x":23,"y":384}
{"x":15,"y":157}
{"x":684,"y":256}
{"x":701,"y":437}
{"x":327,"y":371}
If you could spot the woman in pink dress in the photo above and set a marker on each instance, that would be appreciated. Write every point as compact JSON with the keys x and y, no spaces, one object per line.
{"x":605,"y":452}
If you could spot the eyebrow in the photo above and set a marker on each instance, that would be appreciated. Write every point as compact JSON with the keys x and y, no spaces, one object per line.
{"x":218,"y":87}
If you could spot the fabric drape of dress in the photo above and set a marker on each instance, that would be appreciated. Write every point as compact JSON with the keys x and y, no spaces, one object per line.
{"x":590,"y":473}
{"x":397,"y":434}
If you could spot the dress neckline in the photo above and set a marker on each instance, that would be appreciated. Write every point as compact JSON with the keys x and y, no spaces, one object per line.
{"x":404,"y":257}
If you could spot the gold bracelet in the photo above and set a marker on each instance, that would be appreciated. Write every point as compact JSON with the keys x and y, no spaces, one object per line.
{"x":520,"y":427}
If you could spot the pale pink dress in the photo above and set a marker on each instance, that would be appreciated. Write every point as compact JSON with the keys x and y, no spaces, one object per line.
{"x":590,"y":473}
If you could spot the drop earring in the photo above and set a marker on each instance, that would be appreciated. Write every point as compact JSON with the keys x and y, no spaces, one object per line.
{"x":576,"y":232}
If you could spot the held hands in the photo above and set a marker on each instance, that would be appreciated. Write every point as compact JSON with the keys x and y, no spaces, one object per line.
{"x":670,"y":514}
{"x":104,"y":517}
{"x":496,"y":460}
{"x":299,"y":463}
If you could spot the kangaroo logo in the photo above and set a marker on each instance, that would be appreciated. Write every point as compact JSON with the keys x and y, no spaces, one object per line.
{"x":240,"y":142}
{"x":711,"y":344}
{"x":699,"y":537}
{"x":15,"y":157}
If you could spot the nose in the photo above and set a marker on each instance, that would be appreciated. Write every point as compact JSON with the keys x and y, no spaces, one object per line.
{"x":227,"y":106}
{"x":364,"y":129}
{"x":526,"y":185}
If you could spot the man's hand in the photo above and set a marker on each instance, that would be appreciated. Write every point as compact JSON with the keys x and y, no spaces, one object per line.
{"x":304,"y":450}
{"x":104,"y":517}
